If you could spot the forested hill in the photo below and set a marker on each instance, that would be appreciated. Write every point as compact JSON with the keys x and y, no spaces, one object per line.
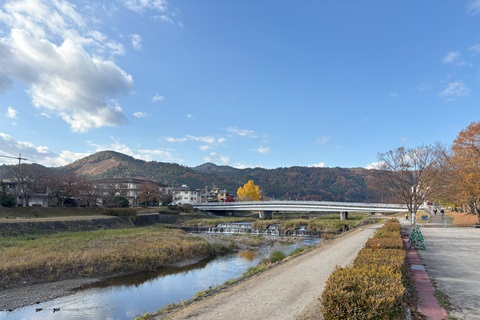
{"x":302,"y":183}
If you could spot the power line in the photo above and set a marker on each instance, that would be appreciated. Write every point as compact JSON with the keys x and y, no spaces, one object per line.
{"x":19,"y":157}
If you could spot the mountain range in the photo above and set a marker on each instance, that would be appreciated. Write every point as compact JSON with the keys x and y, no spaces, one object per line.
{"x":289,"y":183}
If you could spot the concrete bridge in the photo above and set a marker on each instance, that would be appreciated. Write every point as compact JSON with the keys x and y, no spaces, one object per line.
{"x":267,"y":208}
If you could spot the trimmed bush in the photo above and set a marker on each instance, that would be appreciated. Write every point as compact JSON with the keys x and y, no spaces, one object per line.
{"x":392,"y":257}
{"x":384,"y":243}
{"x":375,"y":287}
{"x":368,"y":292}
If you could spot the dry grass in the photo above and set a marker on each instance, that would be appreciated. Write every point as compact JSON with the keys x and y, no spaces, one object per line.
{"x":462,"y":219}
{"x":95,"y":253}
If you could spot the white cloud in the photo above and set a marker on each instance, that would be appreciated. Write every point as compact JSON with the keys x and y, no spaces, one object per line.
{"x":451,"y":57}
{"x":213,"y":156}
{"x":47,"y":47}
{"x":37,"y":154}
{"x":140,"y":114}
{"x":190,"y":116}
{"x":454,"y":90}
{"x":323,"y":140}
{"x":263,"y":150}
{"x":176,"y":140}
{"x":318,"y":165}
{"x":143,"y":154}
{"x":242,"y":132}
{"x":144,"y":5}
{"x":11,"y":113}
{"x":136,"y":41}
{"x":157,"y":98}
{"x":374,"y":165}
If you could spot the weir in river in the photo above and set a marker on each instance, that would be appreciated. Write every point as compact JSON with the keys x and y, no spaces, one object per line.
{"x":246,"y":228}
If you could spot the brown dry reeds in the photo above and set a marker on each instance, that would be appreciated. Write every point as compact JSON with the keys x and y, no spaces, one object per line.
{"x":95,"y":253}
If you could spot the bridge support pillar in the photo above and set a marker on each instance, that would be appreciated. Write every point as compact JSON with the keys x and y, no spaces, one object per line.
{"x":265,"y":215}
{"x":344,"y":215}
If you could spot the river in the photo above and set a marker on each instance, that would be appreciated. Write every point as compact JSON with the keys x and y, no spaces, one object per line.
{"x":130,"y":296}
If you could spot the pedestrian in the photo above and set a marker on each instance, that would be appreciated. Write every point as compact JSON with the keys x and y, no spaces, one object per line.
{"x":435,"y":211}
{"x":406,"y":216}
{"x":442,"y":212}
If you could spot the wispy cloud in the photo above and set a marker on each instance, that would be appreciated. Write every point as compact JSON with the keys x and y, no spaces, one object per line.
{"x":146,"y":5}
{"x":454,"y":90}
{"x":215,"y":157}
{"x":451,"y":57}
{"x":136,"y":41}
{"x":474,"y":6}
{"x":323,"y":140}
{"x":242,"y":132}
{"x":143,"y":154}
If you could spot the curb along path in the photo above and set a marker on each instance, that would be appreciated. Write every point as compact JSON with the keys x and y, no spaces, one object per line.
{"x":288,"y":291}
{"x":427,"y":302}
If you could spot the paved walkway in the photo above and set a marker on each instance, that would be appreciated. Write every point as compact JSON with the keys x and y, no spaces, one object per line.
{"x":451,"y":260}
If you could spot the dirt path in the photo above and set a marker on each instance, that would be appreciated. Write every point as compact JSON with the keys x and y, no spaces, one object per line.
{"x":289,"y":291}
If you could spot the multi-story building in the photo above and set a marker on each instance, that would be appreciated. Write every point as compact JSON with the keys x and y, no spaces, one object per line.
{"x":184,"y":194}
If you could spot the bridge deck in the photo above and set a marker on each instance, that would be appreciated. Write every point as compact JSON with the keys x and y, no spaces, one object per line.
{"x":300,"y":206}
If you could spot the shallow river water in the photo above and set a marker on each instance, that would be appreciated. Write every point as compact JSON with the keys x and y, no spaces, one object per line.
{"x":134,"y":295}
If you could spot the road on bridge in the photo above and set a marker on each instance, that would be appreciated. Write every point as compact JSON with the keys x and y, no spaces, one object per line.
{"x":288,"y":291}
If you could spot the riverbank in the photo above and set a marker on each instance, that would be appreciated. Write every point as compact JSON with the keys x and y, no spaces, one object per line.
{"x":289,"y":290}
{"x":27,"y":293}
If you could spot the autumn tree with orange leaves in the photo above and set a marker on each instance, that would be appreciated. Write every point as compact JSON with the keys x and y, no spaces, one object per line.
{"x":249,"y":192}
{"x":464,"y":169}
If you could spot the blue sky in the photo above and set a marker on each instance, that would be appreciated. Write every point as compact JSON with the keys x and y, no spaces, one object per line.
{"x":241,"y":83}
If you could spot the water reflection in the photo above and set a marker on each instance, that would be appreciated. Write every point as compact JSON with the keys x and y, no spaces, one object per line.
{"x":130,"y":296}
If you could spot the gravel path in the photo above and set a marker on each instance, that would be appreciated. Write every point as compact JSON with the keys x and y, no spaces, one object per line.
{"x":289,"y":291}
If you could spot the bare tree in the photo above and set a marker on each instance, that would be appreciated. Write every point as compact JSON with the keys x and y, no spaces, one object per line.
{"x":410,"y":174}
{"x":149,"y":193}
{"x":88,"y":191}
{"x":28,"y":179}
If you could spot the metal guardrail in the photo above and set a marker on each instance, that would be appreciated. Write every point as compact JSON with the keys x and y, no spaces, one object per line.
{"x":300,"y":206}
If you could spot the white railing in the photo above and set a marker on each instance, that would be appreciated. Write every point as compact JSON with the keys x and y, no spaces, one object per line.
{"x":298,"y":206}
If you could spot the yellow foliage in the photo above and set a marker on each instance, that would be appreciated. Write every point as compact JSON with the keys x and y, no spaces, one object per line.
{"x":249,"y":192}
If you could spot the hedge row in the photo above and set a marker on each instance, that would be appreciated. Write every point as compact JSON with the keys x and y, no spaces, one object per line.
{"x":375,"y":286}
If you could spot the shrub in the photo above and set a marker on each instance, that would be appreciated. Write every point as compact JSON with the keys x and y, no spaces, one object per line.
{"x":392,"y":257}
{"x":276,"y":256}
{"x":368,"y":292}
{"x":384,"y":233}
{"x":384,"y":243}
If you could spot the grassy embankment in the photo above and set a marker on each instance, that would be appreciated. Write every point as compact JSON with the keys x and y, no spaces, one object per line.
{"x":35,"y":258}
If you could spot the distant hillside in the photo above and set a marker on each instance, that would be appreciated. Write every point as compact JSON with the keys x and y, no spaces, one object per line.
{"x":306,"y":183}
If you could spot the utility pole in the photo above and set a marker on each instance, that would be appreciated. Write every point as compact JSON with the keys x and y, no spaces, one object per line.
{"x":19,"y":157}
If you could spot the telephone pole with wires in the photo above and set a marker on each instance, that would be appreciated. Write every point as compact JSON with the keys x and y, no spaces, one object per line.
{"x":19,"y":157}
